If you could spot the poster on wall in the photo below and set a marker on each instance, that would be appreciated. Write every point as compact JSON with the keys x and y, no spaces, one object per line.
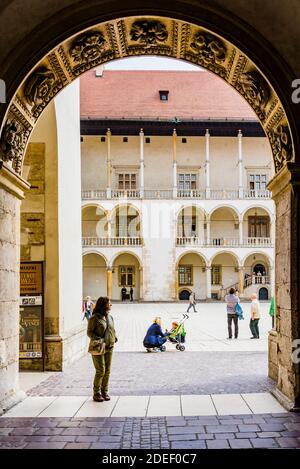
{"x":31,"y":335}
{"x":31,"y":278}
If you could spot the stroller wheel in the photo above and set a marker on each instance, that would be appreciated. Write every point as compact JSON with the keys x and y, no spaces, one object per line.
{"x":177,"y":346}
{"x":162,"y":348}
{"x":181,"y":348}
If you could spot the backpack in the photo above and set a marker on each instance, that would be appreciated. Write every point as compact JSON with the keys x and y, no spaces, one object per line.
{"x":239,"y":311}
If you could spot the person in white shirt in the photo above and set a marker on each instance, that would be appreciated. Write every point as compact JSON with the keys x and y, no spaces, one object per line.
{"x":192,"y":302}
{"x":255,"y":316}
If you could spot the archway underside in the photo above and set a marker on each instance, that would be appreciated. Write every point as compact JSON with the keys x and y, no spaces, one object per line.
{"x":135,"y":36}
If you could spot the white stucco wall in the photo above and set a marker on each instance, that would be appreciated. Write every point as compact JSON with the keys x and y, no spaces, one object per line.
{"x":69,"y":211}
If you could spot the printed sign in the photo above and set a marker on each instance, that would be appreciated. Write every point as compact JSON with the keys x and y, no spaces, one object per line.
{"x":30,"y":331}
{"x":31,"y":278}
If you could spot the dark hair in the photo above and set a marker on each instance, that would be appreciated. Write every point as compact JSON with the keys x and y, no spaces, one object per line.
{"x":232,"y":291}
{"x":101,"y":305}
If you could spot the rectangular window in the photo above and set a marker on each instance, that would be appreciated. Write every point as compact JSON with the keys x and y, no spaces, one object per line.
{"x":216,"y":275}
{"x":127,"y":275}
{"x":185,"y":275}
{"x":257,"y":182}
{"x":258,"y":227}
{"x":187,"y":181}
{"x":127,"y":181}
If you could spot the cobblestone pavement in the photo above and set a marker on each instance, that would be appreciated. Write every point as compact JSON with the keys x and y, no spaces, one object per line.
{"x":141,"y":373}
{"x":255,"y":431}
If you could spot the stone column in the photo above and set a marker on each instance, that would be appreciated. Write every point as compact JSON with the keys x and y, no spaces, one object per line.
{"x":208,"y":232}
{"x":12,"y":189}
{"x":141,"y":283}
{"x":108,"y":167}
{"x":241,"y":280}
{"x":176,"y":284}
{"x":285,"y":187}
{"x":241,"y":232}
{"x":207,"y":165}
{"x":109,"y":282}
{"x":142,"y":164}
{"x":174,"y":163}
{"x":208,"y":282}
{"x":240,"y":152}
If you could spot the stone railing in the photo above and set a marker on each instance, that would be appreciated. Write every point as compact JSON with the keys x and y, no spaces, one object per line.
{"x":94,"y":194}
{"x":257,"y":242}
{"x":125,"y":194}
{"x":112,"y":241}
{"x":220,"y":194}
{"x":256,"y":280}
{"x":224,"y":194}
{"x":221,"y":242}
{"x":190,"y":194}
{"x":257,"y":194}
{"x":190,"y":241}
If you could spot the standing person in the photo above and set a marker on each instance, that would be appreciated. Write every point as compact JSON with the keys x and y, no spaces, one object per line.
{"x":255,"y":316}
{"x":231,"y":301}
{"x":192,"y":302}
{"x":101,"y":326}
{"x":124,"y":293}
{"x":131,"y":293}
{"x":88,"y":307}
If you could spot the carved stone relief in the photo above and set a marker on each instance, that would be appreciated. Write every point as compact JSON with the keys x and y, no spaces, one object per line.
{"x":142,"y":36}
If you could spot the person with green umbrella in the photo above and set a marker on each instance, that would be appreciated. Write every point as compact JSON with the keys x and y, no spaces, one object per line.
{"x":272,"y":311}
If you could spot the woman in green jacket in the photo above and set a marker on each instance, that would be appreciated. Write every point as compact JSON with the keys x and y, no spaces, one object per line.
{"x":101,"y":325}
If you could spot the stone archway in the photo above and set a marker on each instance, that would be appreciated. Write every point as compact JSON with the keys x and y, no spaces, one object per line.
{"x":60,"y":63}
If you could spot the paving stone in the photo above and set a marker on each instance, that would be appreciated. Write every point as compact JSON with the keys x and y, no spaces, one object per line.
{"x":36,"y":438}
{"x":291,"y":427}
{"x":248,"y":428}
{"x":109,"y":439}
{"x":197,"y":444}
{"x":46,"y":445}
{"x":217,"y":444}
{"x":184,"y":430}
{"x":288,"y":442}
{"x":264,"y":443}
{"x":60,"y":438}
{"x":69,"y":423}
{"x":294,"y":433}
{"x":268,"y":435}
{"x":224,"y":436}
{"x":75,"y":431}
{"x":86,"y":439}
{"x":105,"y":446}
{"x":182,"y":437}
{"x":77,"y":446}
{"x":231,"y":421}
{"x":220,"y":428}
{"x":6,"y":431}
{"x":49,"y":431}
{"x":272,"y":427}
{"x":23,"y":431}
{"x":203,"y":421}
{"x":246,"y":435}
{"x":240,"y":444}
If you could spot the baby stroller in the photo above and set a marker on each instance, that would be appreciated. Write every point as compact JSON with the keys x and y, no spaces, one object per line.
{"x":177,"y":334}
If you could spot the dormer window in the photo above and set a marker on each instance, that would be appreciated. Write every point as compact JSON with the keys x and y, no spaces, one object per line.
{"x":163,"y":95}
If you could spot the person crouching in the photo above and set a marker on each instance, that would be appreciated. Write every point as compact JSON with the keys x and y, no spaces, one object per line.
{"x":154,"y":337}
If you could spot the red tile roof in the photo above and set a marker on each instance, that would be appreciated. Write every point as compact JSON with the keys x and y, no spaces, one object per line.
{"x":135,"y":94}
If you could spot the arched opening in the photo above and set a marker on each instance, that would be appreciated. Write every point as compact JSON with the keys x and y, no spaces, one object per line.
{"x":224,"y":274}
{"x":190,"y":226}
{"x":257,"y":228}
{"x":257,"y":271}
{"x":49,"y":76}
{"x":263,"y":294}
{"x":94,"y":276}
{"x":192,"y":275}
{"x":184,"y":294}
{"x":224,"y":220}
{"x":126,"y":274}
{"x":94,"y":226}
{"x":126,"y":225}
